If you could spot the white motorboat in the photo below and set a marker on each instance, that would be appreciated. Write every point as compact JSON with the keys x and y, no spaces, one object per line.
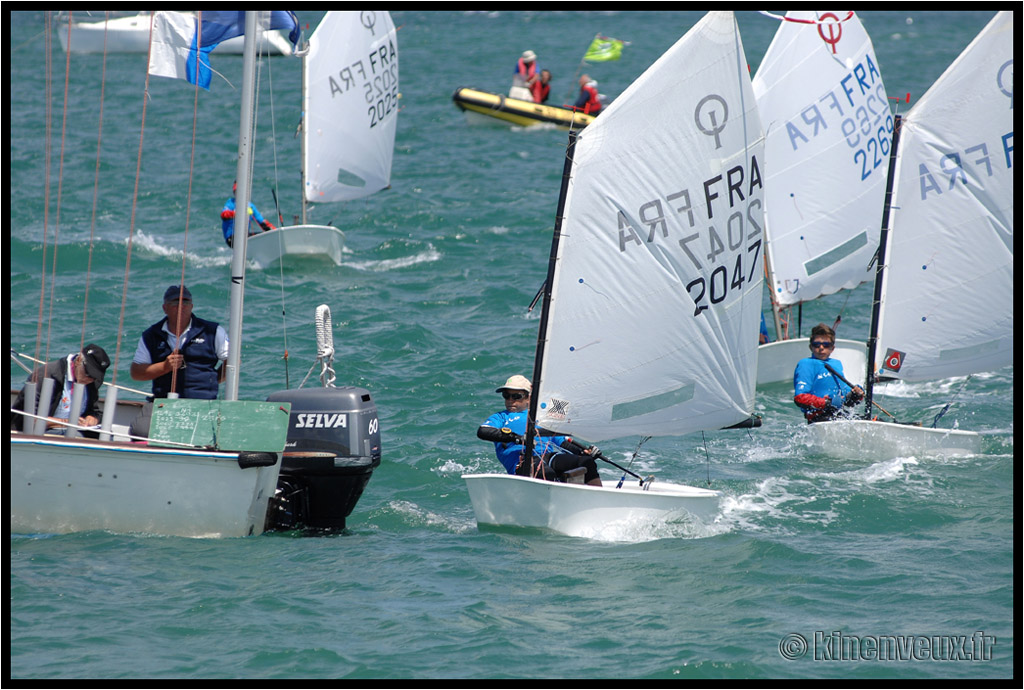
{"x":209,"y":468}
{"x":60,"y":486}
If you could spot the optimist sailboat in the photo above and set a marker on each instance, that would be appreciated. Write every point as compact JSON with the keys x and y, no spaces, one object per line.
{"x":350,"y":116}
{"x":944,"y":286}
{"x":652,"y":301}
{"x":824,"y":107}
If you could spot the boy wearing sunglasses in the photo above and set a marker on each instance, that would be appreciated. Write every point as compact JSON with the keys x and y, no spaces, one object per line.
{"x":816,"y":391}
{"x":506,"y":429}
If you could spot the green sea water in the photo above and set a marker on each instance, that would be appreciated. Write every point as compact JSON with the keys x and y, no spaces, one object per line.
{"x":430,"y":315}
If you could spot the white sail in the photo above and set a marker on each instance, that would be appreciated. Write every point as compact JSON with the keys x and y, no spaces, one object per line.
{"x":947,"y":308}
{"x":656,"y":296}
{"x":351,"y":106}
{"x":827,"y":131}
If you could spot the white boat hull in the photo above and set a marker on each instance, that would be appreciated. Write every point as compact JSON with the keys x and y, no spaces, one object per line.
{"x":578,"y":509}
{"x":131,"y":35}
{"x":857,"y":439}
{"x":60,"y":486}
{"x":776,"y":361}
{"x":266,"y":248}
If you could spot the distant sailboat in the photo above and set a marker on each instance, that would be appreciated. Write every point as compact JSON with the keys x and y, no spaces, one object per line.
{"x":131,"y":35}
{"x":350,"y":116}
{"x":650,"y":316}
{"x":827,"y":128}
{"x":944,"y":286}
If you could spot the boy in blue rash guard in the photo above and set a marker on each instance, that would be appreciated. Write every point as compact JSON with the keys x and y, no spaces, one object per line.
{"x":227,"y":217}
{"x":816,"y":391}
{"x":507,"y":430}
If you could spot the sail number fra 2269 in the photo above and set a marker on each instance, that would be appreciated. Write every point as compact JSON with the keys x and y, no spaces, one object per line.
{"x":726,"y":249}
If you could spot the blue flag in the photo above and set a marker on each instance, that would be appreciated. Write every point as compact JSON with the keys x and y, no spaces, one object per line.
{"x":181,"y":42}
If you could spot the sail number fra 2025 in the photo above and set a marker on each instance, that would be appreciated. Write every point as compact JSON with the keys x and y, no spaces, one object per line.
{"x":378,"y":73}
{"x":726,"y":253}
{"x":382,"y":90}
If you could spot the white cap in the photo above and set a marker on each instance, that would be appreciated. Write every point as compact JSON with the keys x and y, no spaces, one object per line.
{"x":516,"y":383}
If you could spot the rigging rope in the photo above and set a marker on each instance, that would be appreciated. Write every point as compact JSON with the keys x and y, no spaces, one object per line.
{"x":95,"y":190}
{"x":280,"y":219}
{"x":839,"y":316}
{"x":48,"y":107}
{"x":188,"y":196}
{"x":47,"y":166}
{"x":636,"y":451}
{"x":60,"y":189}
{"x":135,"y":201}
{"x":706,"y":455}
{"x":952,"y":400}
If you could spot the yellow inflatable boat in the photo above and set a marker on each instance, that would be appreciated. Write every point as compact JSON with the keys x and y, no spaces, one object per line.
{"x":517,"y":112}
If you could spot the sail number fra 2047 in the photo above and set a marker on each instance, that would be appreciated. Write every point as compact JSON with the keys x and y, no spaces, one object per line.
{"x":725,"y":256}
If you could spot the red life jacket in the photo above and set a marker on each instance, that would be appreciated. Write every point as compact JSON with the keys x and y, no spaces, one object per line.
{"x":593,"y":106}
{"x":526,"y":72}
{"x":540,"y":91}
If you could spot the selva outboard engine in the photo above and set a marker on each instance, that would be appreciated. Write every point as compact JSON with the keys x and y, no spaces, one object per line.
{"x":332,"y":449}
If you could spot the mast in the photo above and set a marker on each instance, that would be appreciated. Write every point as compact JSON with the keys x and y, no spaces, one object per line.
{"x":538,"y":359}
{"x":881,"y":259}
{"x":242,"y":196}
{"x":776,"y":309}
{"x":304,"y":124}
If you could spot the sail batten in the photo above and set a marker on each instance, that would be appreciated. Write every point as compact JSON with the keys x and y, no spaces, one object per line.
{"x":655,"y":303}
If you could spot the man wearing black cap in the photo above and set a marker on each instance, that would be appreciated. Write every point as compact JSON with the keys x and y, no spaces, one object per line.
{"x":86,"y":367}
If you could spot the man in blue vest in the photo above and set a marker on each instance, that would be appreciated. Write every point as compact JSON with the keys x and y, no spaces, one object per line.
{"x":180,"y":354}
